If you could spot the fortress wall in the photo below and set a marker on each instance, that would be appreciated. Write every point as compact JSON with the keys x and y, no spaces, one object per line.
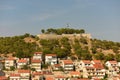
{"x":54,"y":36}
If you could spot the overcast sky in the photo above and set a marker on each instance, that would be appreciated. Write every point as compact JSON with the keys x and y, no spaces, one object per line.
{"x":101,"y":18}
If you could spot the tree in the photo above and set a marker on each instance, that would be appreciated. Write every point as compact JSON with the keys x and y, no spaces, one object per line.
{"x":109,"y":57}
{"x":43,"y":31}
{"x":99,"y":56}
{"x":117,"y":57}
{"x":12,"y":68}
{"x":25,"y":67}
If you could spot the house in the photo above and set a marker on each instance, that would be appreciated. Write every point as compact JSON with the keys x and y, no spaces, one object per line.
{"x":3,"y":78}
{"x":111,"y":63}
{"x":9,"y":62}
{"x":14,"y":76}
{"x":83,"y":64}
{"x":67,"y":64}
{"x":51,"y":59}
{"x":94,"y":69}
{"x":56,"y":67}
{"x":74,"y":74}
{"x":60,"y":77}
{"x":25,"y":74}
{"x":36,"y":64}
{"x":113,"y":68}
{"x":118,"y":64}
{"x":37,"y":76}
{"x":37,"y":55}
{"x":99,"y":71}
{"x":21,"y":63}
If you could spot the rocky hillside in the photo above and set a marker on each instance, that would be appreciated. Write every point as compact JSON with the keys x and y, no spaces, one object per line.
{"x":76,"y":46}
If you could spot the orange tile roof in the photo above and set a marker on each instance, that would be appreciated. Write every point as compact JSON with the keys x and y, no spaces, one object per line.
{"x":86,"y":61}
{"x":82,"y":79}
{"x":57,"y":65}
{"x":3,"y":78}
{"x":90,"y":67}
{"x":97,"y":61}
{"x":50,"y":55}
{"x":49,"y":78}
{"x":68,"y":61}
{"x":98,"y":66}
{"x":14,"y":75}
{"x":10,"y":58}
{"x":35,"y":61}
{"x":23,"y":71}
{"x":75,"y":73}
{"x":22,"y":61}
{"x":38,"y":53}
{"x":113,"y":62}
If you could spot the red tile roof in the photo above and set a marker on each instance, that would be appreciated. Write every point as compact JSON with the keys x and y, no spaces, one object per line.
{"x":3,"y":78}
{"x":35,"y":61}
{"x":98,"y":66}
{"x":57,"y":65}
{"x":86,"y":61}
{"x":50,"y":55}
{"x":23,"y":71}
{"x":49,"y":78}
{"x":75,"y":73}
{"x":10,"y":58}
{"x":113,"y":62}
{"x":14,"y":75}
{"x":97,"y":61}
{"x":81,"y":79}
{"x":89,"y":67}
{"x":38,"y":53}
{"x":68,"y":61}
{"x":22,"y":61}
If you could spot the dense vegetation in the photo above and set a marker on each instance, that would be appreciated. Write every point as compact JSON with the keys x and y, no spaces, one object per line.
{"x":17,"y":46}
{"x":82,"y":48}
{"x":63,"y":31}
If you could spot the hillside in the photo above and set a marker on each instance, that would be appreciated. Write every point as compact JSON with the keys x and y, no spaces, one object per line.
{"x":74,"y":45}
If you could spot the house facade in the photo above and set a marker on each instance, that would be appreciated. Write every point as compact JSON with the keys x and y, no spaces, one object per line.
{"x":51,"y":59}
{"x":67,"y":65}
{"x":9,"y":62}
{"x":36,"y":64}
{"x":37,"y":55}
{"x":14,"y":76}
{"x":25,"y":74}
{"x":21,"y":63}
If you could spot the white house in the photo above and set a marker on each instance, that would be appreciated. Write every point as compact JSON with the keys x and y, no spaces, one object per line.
{"x":113,"y":68}
{"x":21,"y":63}
{"x":84,"y":63}
{"x":14,"y":76}
{"x":111,"y":63}
{"x":25,"y":74}
{"x":67,"y":64}
{"x":37,"y":55}
{"x":9,"y":62}
{"x":51,"y":59}
{"x":36,"y":64}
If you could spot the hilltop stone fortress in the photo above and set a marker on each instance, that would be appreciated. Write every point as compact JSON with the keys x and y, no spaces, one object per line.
{"x":70,"y":36}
